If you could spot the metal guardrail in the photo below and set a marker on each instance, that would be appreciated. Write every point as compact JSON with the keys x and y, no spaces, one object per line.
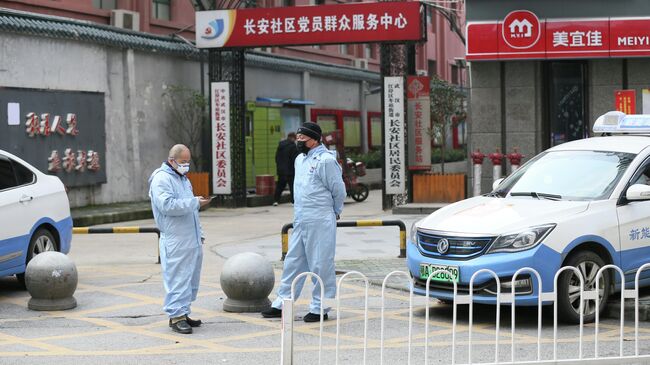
{"x":115,"y":230}
{"x":287,"y":344}
{"x":360,"y":223}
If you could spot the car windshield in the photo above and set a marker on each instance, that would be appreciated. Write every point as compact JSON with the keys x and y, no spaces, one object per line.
{"x":567,"y":175}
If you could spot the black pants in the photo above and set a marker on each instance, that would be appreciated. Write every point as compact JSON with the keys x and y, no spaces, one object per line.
{"x":279,"y":187}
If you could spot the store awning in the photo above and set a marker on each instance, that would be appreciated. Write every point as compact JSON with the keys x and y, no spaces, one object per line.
{"x":285,"y":101}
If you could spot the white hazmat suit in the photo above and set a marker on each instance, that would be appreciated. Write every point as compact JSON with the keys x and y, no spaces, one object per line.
{"x":319,"y":193}
{"x":176,"y":211}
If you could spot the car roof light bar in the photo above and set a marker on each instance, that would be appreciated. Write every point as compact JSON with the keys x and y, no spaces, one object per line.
{"x":621,"y":123}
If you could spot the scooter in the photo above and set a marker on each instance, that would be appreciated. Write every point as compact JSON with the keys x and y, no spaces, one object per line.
{"x":355,"y":189}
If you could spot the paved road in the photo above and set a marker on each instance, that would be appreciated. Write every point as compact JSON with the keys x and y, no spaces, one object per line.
{"x":119,"y":318}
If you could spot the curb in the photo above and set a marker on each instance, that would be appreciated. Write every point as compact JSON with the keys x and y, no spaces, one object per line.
{"x":111,"y":217}
{"x":614,"y":308}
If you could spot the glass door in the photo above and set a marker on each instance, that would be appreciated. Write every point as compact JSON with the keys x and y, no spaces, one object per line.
{"x":566,"y":102}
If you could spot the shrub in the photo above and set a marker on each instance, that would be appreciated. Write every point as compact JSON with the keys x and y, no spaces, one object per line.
{"x":450,"y":155}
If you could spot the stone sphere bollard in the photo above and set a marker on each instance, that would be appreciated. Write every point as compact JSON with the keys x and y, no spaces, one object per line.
{"x":247,"y":279}
{"x":51,"y":279}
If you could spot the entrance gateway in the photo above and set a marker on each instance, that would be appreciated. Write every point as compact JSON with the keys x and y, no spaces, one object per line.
{"x":227,"y":33}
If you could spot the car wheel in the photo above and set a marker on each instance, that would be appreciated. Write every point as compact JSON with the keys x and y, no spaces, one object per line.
{"x":41,"y":241}
{"x":588,"y":263}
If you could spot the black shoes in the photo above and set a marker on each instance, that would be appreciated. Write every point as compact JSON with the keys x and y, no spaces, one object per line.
{"x":181,"y":327}
{"x":277,"y":313}
{"x":272,"y":313}
{"x":193,"y":322}
{"x":185,"y":326}
{"x":190,"y":321}
{"x":311,"y":317}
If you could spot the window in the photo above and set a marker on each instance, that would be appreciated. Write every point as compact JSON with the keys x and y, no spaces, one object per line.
{"x":160,"y":9}
{"x":286,"y":3}
{"x":105,"y":4}
{"x":343,"y":49}
{"x":327,"y":123}
{"x":573,"y":175}
{"x":454,"y":75}
{"x":432,"y":68}
{"x":24,"y":175}
{"x":317,"y":2}
{"x":352,"y":131}
{"x":643,"y":176}
{"x":367,"y":51}
{"x":7,"y":178}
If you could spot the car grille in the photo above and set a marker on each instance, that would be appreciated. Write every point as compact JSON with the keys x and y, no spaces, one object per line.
{"x":460,"y":248}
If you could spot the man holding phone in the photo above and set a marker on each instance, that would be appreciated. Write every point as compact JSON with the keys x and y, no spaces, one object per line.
{"x":176,"y":211}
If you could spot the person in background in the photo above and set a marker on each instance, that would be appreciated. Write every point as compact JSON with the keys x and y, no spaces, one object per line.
{"x":285,"y":156}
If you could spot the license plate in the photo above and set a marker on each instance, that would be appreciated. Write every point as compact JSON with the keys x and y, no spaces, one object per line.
{"x":427,"y":269}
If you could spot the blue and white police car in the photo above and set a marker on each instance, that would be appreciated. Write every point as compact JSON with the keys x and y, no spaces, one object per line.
{"x":34,"y":215}
{"x":584,"y":204}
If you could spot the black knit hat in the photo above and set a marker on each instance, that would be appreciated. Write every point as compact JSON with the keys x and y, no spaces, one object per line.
{"x":311,"y":130}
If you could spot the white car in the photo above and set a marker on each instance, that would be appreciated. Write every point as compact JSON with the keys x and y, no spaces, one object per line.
{"x":584,"y":203}
{"x":35,"y":215}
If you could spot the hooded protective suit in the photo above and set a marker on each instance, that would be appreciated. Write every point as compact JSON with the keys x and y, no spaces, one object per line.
{"x":176,"y":211}
{"x":319,"y":192}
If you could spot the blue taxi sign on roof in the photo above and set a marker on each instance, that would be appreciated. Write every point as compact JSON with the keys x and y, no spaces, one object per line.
{"x":618,"y":122}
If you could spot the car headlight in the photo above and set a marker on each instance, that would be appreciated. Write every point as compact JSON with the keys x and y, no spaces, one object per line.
{"x":522,"y":240}
{"x":414,"y":233}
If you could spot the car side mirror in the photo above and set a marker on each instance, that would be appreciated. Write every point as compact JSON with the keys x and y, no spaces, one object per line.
{"x":638,"y":192}
{"x":496,"y":183}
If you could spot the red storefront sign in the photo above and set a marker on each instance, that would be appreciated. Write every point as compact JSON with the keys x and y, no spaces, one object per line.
{"x":520,"y":35}
{"x":345,"y":23}
{"x":629,"y":37}
{"x":589,"y":38}
{"x":625,"y":101}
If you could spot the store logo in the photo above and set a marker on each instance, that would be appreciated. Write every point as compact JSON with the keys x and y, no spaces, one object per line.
{"x":214,"y":29}
{"x":443,"y":246}
{"x":521,"y":29}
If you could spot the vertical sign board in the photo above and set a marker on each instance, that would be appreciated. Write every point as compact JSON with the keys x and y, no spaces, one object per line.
{"x":220,"y":116}
{"x":419,"y":122}
{"x":61,"y":133}
{"x":625,"y":101}
{"x":394,"y":134}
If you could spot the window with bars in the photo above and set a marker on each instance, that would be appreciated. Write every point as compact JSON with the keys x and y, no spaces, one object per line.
{"x":161,"y":9}
{"x":105,"y":4}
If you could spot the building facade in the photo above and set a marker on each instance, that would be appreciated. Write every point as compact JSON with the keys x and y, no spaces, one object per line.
{"x":135,"y":49}
{"x":542,"y":72}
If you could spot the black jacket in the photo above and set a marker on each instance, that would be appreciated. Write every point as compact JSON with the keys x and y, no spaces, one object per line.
{"x":285,"y":156}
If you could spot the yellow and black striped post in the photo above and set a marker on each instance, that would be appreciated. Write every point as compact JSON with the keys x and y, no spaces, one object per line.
{"x":361,"y":223}
{"x":115,"y":230}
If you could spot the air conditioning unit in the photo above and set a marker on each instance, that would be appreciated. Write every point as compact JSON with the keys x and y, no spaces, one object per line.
{"x":422,"y":72}
{"x":360,"y":63}
{"x":125,"y":19}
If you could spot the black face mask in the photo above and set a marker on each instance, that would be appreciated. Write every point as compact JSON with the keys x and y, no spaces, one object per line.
{"x":302,"y":147}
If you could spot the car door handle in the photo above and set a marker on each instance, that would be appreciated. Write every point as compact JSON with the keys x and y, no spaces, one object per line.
{"x":25,"y":199}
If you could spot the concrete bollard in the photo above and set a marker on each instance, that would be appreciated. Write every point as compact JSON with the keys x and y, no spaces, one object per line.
{"x":51,"y":279}
{"x":247,"y":279}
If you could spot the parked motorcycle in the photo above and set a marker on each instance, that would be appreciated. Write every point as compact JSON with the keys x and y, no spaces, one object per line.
{"x":351,"y":173}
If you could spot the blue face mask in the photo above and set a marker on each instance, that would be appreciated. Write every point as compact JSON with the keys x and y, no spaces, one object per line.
{"x":183,"y":168}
